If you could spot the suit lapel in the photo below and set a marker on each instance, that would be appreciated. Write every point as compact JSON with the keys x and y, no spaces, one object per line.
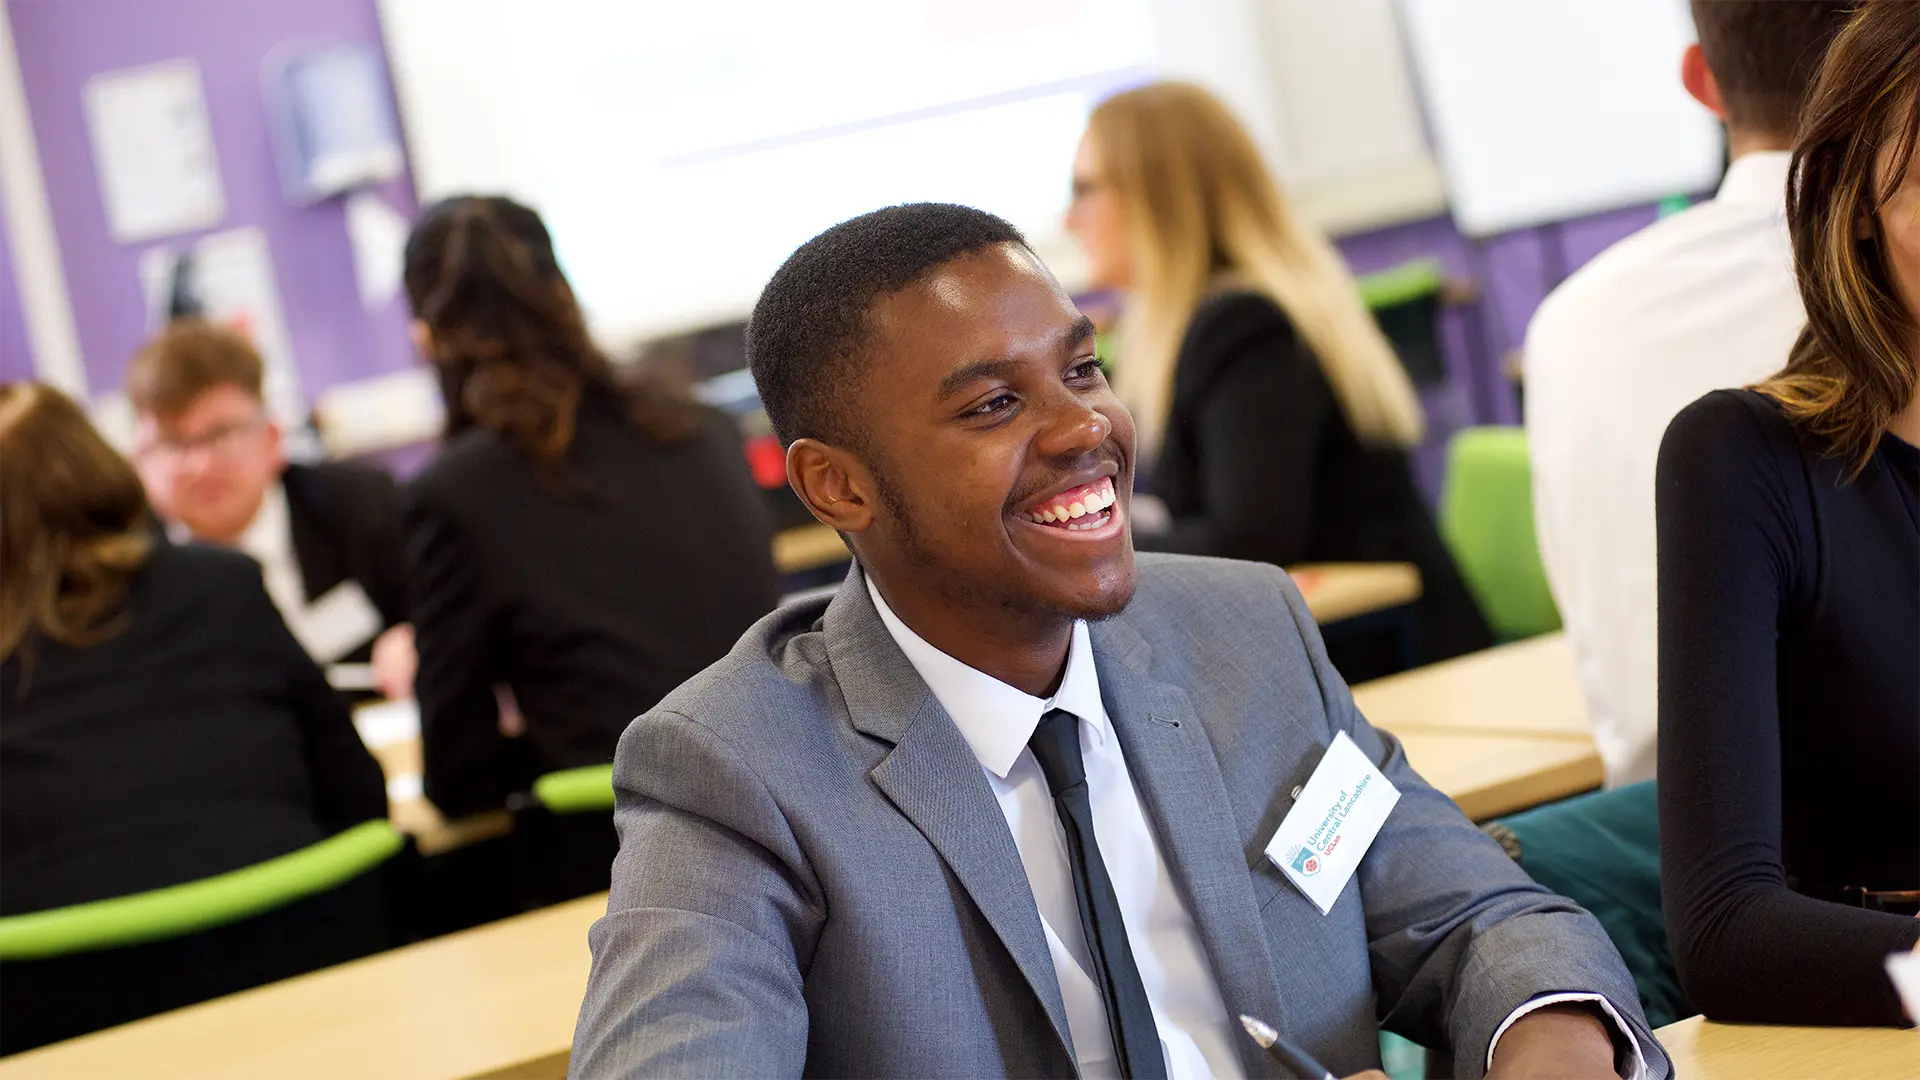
{"x":1173,"y":766}
{"x":320,"y":562}
{"x":932,"y":776}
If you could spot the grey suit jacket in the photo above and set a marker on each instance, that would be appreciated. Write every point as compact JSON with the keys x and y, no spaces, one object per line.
{"x":814,"y":877}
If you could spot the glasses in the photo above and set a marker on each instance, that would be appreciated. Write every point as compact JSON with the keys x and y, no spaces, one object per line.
{"x":225,"y":441}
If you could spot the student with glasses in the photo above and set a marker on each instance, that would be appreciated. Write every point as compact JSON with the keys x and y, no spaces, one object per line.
{"x":326,"y":535}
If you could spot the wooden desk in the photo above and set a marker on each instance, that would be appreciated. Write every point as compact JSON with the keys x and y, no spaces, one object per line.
{"x":1497,"y":731}
{"x":1526,"y":688}
{"x":391,"y":731}
{"x":807,"y":547}
{"x":499,"y":1000}
{"x":1704,"y":1050}
{"x":1491,"y":775}
{"x":1336,"y":591}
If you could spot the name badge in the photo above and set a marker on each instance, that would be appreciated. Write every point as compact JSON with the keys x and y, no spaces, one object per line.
{"x":336,"y":624}
{"x":1333,"y":822}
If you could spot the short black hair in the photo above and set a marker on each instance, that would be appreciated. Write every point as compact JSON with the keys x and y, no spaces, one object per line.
{"x":809,"y":328}
{"x":1764,"y":53}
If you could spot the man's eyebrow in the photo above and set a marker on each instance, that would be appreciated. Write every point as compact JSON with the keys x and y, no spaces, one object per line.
{"x":979,"y":369}
{"x":1080,"y":333}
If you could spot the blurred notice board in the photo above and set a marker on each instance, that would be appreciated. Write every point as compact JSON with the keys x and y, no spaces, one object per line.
{"x":153,"y":149}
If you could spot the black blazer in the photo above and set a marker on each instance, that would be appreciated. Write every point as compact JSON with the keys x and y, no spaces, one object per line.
{"x":345,"y":520}
{"x":200,"y":739}
{"x":590,"y":604}
{"x":1258,"y":462}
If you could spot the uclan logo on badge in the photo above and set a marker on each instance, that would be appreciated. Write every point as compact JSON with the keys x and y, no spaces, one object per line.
{"x":1306,"y":862}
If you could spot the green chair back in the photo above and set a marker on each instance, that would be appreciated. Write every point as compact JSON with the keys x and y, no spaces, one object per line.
{"x":1602,"y":851}
{"x":1401,"y":284}
{"x":1486,"y":519}
{"x":588,"y":789}
{"x":1405,"y":302}
{"x":187,"y":908}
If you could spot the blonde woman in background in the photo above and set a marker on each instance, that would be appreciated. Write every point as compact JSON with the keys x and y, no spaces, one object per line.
{"x":1275,"y":420}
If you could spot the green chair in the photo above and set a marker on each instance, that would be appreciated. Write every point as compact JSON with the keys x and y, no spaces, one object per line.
{"x":1405,"y":301}
{"x":1602,"y":851}
{"x":576,"y":791}
{"x":66,"y":971}
{"x":563,"y":837}
{"x":1486,"y":519}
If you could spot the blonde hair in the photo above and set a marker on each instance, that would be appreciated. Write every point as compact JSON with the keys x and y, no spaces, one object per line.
{"x":1203,"y":212}
{"x":73,"y":524}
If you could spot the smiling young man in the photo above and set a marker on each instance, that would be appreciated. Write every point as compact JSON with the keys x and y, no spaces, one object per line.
{"x":1003,"y":806}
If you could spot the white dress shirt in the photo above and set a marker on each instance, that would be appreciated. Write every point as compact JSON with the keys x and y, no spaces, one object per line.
{"x":1196,"y":1034}
{"x":269,"y":539}
{"x":1696,"y":302}
{"x":328,"y":627}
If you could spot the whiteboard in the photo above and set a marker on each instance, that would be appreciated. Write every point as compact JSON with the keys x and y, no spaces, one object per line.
{"x":679,"y":151}
{"x":1543,"y":110}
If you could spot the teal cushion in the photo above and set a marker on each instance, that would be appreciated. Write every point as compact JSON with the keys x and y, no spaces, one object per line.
{"x":1602,"y":851}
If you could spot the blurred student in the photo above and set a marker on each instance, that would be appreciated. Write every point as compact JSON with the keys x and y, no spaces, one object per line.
{"x":1275,"y":415}
{"x":161,"y":726}
{"x":588,"y":542}
{"x":1789,"y":540}
{"x":1700,"y":300}
{"x":327,"y":535}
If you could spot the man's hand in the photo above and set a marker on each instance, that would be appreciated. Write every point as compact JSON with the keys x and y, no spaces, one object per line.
{"x":394,"y":662}
{"x":1557,"y":1042}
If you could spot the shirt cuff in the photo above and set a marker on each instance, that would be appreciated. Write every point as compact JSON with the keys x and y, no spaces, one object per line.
{"x":1639,"y":1059}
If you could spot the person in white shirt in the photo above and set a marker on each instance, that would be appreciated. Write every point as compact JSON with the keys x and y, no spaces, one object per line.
{"x":1699,"y":301}
{"x":326,"y":536}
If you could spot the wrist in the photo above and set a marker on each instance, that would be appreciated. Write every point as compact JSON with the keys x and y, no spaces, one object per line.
{"x":1563,"y":1042}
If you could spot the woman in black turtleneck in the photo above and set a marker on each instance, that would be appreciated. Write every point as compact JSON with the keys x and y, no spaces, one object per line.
{"x":1789,"y":540}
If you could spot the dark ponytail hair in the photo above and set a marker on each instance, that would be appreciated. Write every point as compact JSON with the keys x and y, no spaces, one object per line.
{"x":509,"y":339}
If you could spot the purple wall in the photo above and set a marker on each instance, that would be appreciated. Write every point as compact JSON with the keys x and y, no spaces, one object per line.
{"x":1513,"y":273}
{"x":15,"y":361}
{"x":62,"y":44}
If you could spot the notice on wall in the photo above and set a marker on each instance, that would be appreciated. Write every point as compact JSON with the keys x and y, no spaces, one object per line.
{"x":228,"y":278}
{"x":153,"y":151}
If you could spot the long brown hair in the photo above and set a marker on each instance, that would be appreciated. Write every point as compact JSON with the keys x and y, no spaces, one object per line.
{"x":1205,"y":214}
{"x":508,"y":337}
{"x":1852,"y":369}
{"x":73,"y":524}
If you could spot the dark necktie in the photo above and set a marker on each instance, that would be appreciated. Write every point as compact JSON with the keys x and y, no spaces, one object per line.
{"x":1056,"y":746}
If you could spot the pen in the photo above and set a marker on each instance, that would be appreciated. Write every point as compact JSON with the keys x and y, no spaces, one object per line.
{"x":1297,"y":1061}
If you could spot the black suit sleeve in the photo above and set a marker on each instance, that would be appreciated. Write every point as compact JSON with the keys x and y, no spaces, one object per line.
{"x":1256,"y":406}
{"x":368,"y":503}
{"x":384,"y":547}
{"x":348,"y":786}
{"x":1747,"y":946}
{"x":466,"y":762}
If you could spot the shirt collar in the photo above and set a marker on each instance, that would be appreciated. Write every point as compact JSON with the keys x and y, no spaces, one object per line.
{"x":1756,"y":179}
{"x":996,"y":719}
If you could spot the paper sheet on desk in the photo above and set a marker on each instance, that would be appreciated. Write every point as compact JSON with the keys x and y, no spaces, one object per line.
{"x":384,"y":723}
{"x":1904,"y":970}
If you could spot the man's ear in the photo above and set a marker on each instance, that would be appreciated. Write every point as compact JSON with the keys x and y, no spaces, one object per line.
{"x":1698,"y":78}
{"x":833,"y":483}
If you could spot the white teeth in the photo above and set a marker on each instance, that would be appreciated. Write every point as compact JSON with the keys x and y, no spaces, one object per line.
{"x":1077,"y":510}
